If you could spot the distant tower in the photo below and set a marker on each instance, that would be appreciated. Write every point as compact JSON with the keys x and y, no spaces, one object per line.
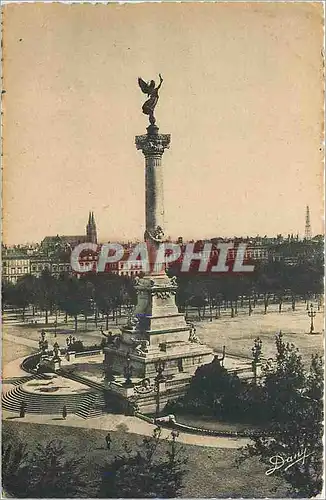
{"x":307,"y":230}
{"x":91,"y":232}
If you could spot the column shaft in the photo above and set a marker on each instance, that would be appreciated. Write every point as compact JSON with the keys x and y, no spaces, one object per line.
{"x":154,"y":193}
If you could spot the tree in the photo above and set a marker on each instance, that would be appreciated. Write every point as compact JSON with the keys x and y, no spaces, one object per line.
{"x":47,"y":293}
{"x":108,"y":295}
{"x":213,"y":391}
{"x":53,"y":474}
{"x":21,"y":296}
{"x":71,"y":298}
{"x":86,"y":298}
{"x":15,"y":468}
{"x":8,"y":291}
{"x":45,"y":473}
{"x":145,"y":473}
{"x":293,"y":399}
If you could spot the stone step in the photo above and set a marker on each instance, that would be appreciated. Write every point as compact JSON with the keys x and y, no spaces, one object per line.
{"x":18,"y":380}
{"x":39,"y":403}
{"x":92,"y":406}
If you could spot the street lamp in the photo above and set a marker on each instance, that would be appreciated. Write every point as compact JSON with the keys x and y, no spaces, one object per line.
{"x":128,"y":371}
{"x":311,"y":315}
{"x":43,"y":344}
{"x":256,"y":354}
{"x":159,"y":367}
{"x":56,"y":350}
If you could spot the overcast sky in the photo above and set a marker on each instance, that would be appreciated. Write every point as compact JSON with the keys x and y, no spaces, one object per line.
{"x":242,"y":99}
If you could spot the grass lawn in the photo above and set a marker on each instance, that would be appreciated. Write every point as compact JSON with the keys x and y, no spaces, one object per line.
{"x":211,"y":471}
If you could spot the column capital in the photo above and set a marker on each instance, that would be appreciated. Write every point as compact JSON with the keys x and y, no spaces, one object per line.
{"x":153,"y":144}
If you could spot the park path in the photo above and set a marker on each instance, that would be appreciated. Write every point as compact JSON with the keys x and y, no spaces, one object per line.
{"x":133,"y":425}
{"x":20,"y":340}
{"x":13,"y":369}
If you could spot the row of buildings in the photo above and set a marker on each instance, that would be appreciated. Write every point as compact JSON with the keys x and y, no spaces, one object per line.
{"x":53,"y":253}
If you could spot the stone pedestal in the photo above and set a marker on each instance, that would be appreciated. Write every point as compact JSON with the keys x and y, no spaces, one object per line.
{"x":51,"y":364}
{"x":158,"y":331}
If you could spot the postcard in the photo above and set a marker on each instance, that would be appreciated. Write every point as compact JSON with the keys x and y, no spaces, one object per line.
{"x":162,"y":250}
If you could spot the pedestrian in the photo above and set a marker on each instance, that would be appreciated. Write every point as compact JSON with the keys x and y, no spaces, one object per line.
{"x":108,"y":441}
{"x":22,"y":409}
{"x":64,"y":412}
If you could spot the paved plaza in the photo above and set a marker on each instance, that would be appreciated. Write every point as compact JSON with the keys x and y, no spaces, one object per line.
{"x":238,"y":333}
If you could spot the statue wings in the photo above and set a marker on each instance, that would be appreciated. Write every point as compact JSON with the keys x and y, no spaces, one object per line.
{"x":146,"y":88}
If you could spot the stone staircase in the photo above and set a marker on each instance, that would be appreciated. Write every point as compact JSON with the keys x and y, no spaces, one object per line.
{"x":93,"y":405}
{"x":47,"y":404}
{"x":113,"y":403}
{"x":89,"y":405}
{"x":18,"y":380}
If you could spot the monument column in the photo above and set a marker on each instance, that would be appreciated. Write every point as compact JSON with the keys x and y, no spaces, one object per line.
{"x":155,"y":332}
{"x":153,"y":146}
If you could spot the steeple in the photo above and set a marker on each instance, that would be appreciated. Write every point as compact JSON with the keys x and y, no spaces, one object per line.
{"x":91,"y":232}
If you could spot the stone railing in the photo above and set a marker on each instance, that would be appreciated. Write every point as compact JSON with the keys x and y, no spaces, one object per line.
{"x":199,"y":430}
{"x":211,"y":432}
{"x":30,"y":363}
{"x":88,"y":353}
{"x":145,"y":418}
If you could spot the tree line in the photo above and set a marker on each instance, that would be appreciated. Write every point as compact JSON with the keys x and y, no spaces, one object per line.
{"x":270,"y":282}
{"x":108,"y":294}
{"x":90,"y":295}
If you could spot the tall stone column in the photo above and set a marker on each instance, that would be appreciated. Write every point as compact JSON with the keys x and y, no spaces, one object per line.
{"x":153,"y":146}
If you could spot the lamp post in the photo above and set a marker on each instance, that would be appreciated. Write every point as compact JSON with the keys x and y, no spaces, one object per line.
{"x":43,"y":344}
{"x":128,"y":371}
{"x":256,"y":354}
{"x":250,"y":307}
{"x":159,"y":367}
{"x":55,"y":328}
{"x":311,"y":315}
{"x":56,"y":350}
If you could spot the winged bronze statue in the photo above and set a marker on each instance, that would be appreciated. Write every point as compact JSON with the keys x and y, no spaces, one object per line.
{"x":151,"y":90}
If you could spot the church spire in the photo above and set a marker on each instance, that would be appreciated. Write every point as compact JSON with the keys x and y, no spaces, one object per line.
{"x":91,"y":232}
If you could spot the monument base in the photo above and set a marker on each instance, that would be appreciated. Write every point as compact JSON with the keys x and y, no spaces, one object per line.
{"x":156,"y":335}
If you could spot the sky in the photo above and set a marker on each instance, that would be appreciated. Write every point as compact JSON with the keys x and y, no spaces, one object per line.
{"x":242,"y":98}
